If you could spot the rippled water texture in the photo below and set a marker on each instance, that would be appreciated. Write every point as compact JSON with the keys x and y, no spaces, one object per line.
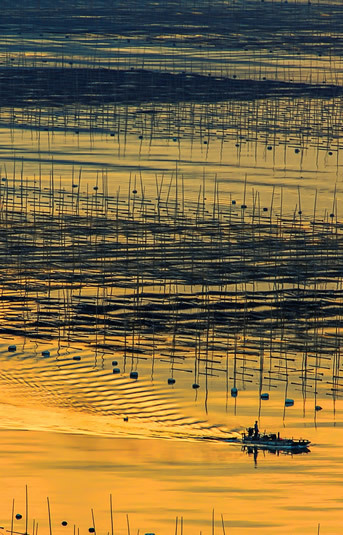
{"x":170,"y":250}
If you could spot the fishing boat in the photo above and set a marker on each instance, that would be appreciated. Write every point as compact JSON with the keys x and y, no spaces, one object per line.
{"x":272,"y":441}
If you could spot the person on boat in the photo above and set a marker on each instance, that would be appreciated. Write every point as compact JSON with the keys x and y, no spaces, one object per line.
{"x":256,"y":430}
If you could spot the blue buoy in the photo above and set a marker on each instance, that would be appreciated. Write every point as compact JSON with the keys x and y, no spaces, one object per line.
{"x":171,"y":381}
{"x":76,"y":358}
{"x":91,"y":530}
{"x":64,"y":523}
{"x":289,"y":402}
{"x":234,"y":392}
{"x":116,"y":370}
{"x":18,"y":516}
{"x":114,"y":363}
{"x":134,"y":375}
{"x":12,"y":348}
{"x":195,"y":386}
{"x":46,"y":353}
{"x":265,"y":395}
{"x":318,"y":408}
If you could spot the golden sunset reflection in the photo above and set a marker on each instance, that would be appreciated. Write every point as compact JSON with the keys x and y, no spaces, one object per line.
{"x":165,"y":479}
{"x":171,"y":267}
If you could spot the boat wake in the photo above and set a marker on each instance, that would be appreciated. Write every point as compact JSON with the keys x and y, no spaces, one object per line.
{"x":60,"y":393}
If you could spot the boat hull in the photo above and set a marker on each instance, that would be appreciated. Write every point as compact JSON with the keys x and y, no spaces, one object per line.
{"x":273,"y":442}
{"x":277,"y":446}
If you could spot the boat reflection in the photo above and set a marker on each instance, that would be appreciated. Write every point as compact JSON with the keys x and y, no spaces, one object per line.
{"x":253,"y":451}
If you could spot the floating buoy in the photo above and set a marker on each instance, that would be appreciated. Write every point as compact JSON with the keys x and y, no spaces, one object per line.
{"x":114,"y":363}
{"x":171,"y":381}
{"x":12,"y":348}
{"x":77,"y":358}
{"x":243,"y":206}
{"x":289,"y":402}
{"x":126,"y":418}
{"x":134,"y":375}
{"x":265,"y":209}
{"x":46,"y":353}
{"x":318,"y":408}
{"x":296,"y":151}
{"x":234,"y":392}
{"x":265,"y":395}
{"x":116,"y":370}
{"x":195,"y":386}
{"x":18,"y":516}
{"x":64,"y":523}
{"x":91,"y":530}
{"x":233,"y":202}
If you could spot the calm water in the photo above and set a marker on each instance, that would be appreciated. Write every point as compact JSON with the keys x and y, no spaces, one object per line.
{"x":71,"y":429}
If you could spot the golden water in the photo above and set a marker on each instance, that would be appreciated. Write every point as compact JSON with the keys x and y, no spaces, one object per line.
{"x":72,"y":430}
